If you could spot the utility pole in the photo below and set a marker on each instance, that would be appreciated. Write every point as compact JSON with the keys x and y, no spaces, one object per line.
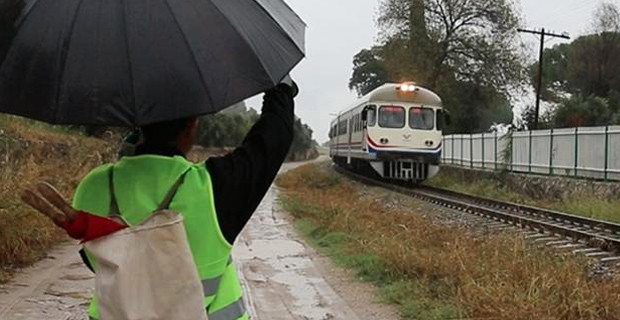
{"x":542,"y":33}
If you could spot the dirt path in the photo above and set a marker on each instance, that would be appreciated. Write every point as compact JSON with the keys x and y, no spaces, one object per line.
{"x":58,"y":287}
{"x":283,"y":279}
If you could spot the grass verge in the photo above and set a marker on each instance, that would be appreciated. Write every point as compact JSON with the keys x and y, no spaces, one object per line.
{"x":586,"y":205}
{"x":28,"y":154}
{"x":438,"y":272}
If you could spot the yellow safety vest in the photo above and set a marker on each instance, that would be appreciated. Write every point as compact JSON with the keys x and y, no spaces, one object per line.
{"x":140,"y":183}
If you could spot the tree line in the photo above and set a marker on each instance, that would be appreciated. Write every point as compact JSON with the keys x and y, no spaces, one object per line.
{"x":228,"y":128}
{"x":469,"y":52}
{"x":581,"y":79}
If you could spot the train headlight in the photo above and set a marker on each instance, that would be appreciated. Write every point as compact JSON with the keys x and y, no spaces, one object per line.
{"x":408,"y":87}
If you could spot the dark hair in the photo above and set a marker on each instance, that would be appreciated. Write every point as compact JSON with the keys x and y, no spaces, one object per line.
{"x":165,"y":132}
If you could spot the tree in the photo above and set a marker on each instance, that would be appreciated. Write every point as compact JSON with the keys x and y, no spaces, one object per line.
{"x":555,"y":81}
{"x":229,"y":127}
{"x":368,"y":71}
{"x":475,"y":40}
{"x":528,"y":116}
{"x":226,"y":128}
{"x":583,"y":78}
{"x":302,"y":140}
{"x":579,"y":111}
{"x":465,"y":50}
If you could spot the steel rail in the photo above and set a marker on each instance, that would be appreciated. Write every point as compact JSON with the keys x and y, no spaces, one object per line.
{"x":558,"y":216}
{"x":606,"y":235}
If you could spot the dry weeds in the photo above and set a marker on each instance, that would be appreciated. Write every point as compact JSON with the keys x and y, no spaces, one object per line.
{"x":29,"y":154}
{"x":483,"y":277}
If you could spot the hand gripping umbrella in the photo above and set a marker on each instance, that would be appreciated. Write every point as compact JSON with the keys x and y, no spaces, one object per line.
{"x":136,"y":62}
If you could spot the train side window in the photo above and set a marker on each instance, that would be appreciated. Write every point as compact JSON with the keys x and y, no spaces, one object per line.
{"x":392,"y":117}
{"x":421,"y":118}
{"x":371,"y":116}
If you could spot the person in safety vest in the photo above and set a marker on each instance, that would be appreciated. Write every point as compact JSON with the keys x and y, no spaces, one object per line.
{"x":217,"y":197}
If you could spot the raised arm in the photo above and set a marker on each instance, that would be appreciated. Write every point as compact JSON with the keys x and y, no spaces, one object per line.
{"x":242,"y":178}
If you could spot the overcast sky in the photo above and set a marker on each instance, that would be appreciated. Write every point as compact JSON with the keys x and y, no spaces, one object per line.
{"x":338,"y":29}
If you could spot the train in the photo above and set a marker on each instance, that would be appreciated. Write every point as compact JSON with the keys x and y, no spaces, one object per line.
{"x":394,"y":132}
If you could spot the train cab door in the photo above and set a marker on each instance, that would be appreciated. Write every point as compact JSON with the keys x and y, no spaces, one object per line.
{"x":349,"y":139}
{"x":365,"y":129}
{"x":369,"y":117}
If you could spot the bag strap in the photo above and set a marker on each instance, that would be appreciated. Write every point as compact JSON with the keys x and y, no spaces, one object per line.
{"x":165,"y":204}
{"x":114,"y":210}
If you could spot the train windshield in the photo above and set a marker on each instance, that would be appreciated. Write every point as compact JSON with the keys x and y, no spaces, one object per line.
{"x":392,"y":117}
{"x":422,"y":118}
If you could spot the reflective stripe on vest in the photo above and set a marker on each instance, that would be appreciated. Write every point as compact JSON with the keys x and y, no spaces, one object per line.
{"x":232,"y":311}
{"x":210,"y":286}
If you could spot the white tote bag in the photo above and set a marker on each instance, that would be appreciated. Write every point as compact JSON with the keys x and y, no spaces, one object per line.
{"x":147,"y":272}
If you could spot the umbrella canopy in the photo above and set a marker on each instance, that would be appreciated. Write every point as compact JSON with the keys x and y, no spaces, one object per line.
{"x":131,"y":63}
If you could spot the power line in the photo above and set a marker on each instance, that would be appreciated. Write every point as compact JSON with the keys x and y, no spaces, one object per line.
{"x":542,"y":34}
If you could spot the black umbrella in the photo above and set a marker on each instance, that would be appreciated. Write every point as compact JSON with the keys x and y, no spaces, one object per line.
{"x":136,"y":62}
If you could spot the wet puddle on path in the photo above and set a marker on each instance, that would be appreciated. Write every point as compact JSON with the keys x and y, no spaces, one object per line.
{"x":279,"y":273}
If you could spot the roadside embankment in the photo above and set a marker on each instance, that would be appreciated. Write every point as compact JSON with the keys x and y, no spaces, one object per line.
{"x":200,"y":153}
{"x":30,"y":153}
{"x":303,"y":155}
{"x":593,"y":199}
{"x":436,"y":270}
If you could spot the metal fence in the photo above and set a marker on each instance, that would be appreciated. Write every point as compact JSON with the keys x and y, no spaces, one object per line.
{"x":592,"y":152}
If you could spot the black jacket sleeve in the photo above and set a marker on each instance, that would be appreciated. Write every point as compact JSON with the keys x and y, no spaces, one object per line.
{"x":242,"y":178}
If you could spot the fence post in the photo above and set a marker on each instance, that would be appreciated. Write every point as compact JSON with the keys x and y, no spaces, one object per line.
{"x":551,"y":153}
{"x":576,"y":150}
{"x":483,"y":159}
{"x":462,"y":152}
{"x":512,"y":153}
{"x":606,"y":153}
{"x":495,"y":150}
{"x":443,"y":154}
{"x":471,"y":150}
{"x":530,"y":153}
{"x":452,"y":138}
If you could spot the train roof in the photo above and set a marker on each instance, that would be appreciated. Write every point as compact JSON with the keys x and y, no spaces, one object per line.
{"x":400,"y":92}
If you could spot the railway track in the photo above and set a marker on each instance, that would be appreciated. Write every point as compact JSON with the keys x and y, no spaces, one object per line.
{"x":593,"y":238}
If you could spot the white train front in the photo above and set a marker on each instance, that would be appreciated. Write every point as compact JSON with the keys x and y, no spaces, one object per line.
{"x":395,"y":131}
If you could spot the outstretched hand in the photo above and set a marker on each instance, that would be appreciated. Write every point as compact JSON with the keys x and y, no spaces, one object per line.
{"x":78,"y":224}
{"x":50,"y":203}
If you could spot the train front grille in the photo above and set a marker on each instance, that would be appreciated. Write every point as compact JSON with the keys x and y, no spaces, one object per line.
{"x":406,"y":170}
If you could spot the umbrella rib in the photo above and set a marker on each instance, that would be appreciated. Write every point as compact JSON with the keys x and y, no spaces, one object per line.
{"x":191,"y":52}
{"x":26,"y":14}
{"x":63,"y":59}
{"x":280,"y":25}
